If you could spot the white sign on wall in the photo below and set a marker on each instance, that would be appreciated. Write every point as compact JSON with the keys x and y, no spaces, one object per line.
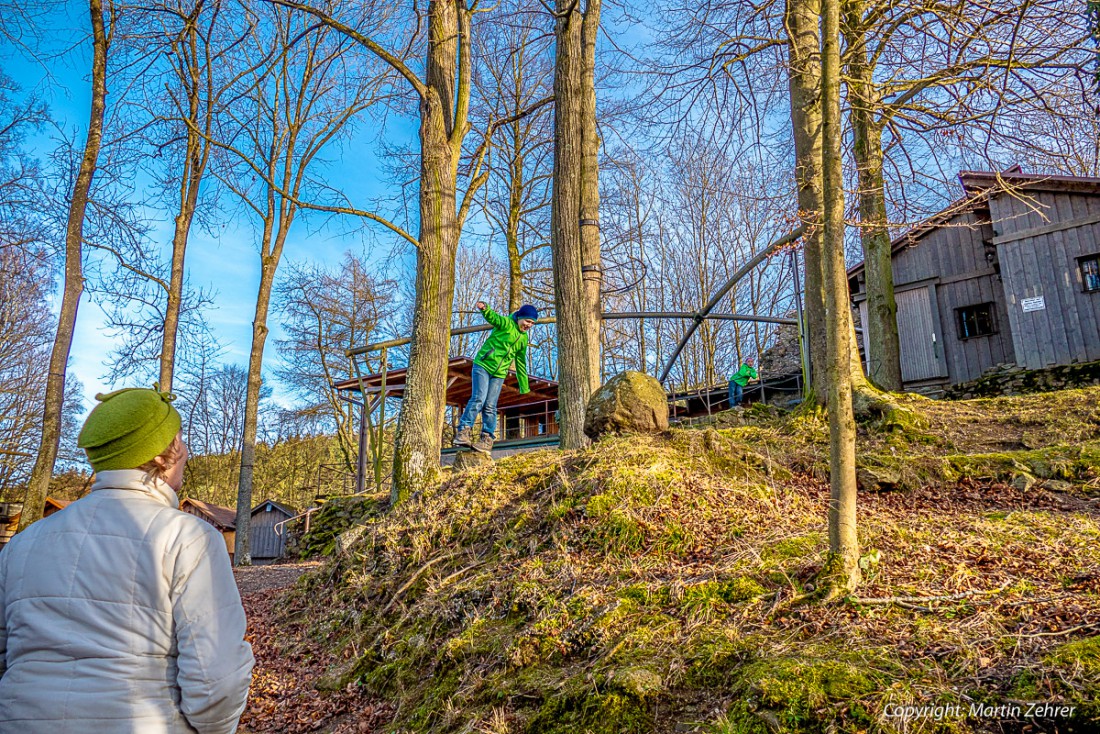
{"x":1033,"y":304}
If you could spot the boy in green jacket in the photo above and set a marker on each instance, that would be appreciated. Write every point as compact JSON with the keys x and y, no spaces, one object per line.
{"x":506,"y":344}
{"x":738,"y":381}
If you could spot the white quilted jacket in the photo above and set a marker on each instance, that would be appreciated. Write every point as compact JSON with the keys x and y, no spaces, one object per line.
{"x":120,"y":614}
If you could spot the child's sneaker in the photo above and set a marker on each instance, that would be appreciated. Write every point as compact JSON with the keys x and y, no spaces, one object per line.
{"x":463,"y":438}
{"x":484,"y":444}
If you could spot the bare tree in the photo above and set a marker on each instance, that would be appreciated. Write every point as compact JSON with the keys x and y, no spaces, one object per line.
{"x":324,"y":309}
{"x":443,"y":93}
{"x":574,"y":221}
{"x":54,"y":402}
{"x":285,"y":116}
{"x":843,"y":540}
{"x":514,"y":92}
{"x":917,"y":68}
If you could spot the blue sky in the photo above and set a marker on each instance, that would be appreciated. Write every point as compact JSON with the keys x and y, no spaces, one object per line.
{"x":227,"y":264}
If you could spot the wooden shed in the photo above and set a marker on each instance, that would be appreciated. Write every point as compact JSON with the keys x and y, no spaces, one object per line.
{"x":223,"y":518}
{"x":1009,"y":273}
{"x":267,"y":531}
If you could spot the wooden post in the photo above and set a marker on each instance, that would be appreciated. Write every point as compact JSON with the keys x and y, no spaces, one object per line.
{"x":379,"y":447}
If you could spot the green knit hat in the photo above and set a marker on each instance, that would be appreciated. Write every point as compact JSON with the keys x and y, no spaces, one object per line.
{"x":129,"y":427}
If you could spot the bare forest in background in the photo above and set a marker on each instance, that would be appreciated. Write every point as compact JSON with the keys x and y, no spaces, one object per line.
{"x":243,"y":126}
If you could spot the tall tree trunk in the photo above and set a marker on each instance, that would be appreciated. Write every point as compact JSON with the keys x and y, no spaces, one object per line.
{"x":884,"y":353}
{"x":844,"y":573}
{"x":573,"y":242}
{"x":242,"y":551}
{"x":442,"y":126}
{"x":803,"y":47}
{"x":189,"y":194}
{"x":591,"y":264}
{"x":54,"y":403}
{"x":511,"y":232}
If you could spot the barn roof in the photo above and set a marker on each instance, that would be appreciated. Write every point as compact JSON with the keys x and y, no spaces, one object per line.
{"x":223,"y":518}
{"x":975,"y":182}
{"x":978,"y":186}
{"x":289,"y":511}
{"x":459,"y":386}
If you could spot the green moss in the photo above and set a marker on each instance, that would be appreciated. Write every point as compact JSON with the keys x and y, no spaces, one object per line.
{"x":798,"y":548}
{"x":734,"y":591}
{"x":808,"y":693}
{"x":1066,"y":462}
{"x":594,"y":713}
{"x":713,"y":654}
{"x":620,"y":533}
{"x":1082,"y":655}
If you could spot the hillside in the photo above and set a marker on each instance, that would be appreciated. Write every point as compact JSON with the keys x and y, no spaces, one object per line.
{"x":665,"y":584}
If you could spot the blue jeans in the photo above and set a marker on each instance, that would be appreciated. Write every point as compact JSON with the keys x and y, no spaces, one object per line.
{"x":483,"y":399}
{"x":736,"y":391}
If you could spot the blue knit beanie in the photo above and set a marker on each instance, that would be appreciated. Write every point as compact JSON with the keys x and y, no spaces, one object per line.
{"x":526,"y":311}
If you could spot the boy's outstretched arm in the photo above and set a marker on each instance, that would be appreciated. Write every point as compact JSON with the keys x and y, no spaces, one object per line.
{"x":490,"y":315}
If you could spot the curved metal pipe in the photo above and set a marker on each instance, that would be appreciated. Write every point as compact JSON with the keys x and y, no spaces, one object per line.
{"x":700,"y":316}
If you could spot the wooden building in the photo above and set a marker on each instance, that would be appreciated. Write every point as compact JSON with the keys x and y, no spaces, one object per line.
{"x":222,"y":518}
{"x":524,"y":421}
{"x":1009,"y":273}
{"x":267,"y":531}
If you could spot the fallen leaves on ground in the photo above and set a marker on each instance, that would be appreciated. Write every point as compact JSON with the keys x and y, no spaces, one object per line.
{"x":288,"y":664}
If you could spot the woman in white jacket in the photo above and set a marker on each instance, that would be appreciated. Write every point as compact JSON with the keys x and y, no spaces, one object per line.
{"x":120,"y":614}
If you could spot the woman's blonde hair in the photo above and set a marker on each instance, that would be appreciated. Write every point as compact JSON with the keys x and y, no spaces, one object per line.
{"x":171,"y":455}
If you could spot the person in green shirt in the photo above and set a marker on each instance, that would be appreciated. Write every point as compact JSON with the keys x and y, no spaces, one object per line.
{"x":507,"y":344}
{"x":738,"y":381}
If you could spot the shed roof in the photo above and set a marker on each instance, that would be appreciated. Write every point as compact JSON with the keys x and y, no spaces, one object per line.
{"x":978,"y":187}
{"x":459,"y":385}
{"x":223,"y":518}
{"x":975,"y":182}
{"x":289,"y":511}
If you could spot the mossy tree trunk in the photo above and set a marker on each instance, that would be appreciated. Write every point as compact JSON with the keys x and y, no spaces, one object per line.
{"x":54,"y":403}
{"x":844,"y":574}
{"x":444,"y":110}
{"x":802,"y":20}
{"x":574,"y":228}
{"x":884,"y":352}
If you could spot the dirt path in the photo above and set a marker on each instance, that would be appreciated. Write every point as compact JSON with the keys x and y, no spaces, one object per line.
{"x":289,"y":662}
{"x":253,"y":579}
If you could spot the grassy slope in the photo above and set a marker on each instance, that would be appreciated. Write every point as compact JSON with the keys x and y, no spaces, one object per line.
{"x":664,"y":583}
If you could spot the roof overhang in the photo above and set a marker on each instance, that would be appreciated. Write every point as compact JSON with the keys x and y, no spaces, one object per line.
{"x":459,"y":386}
{"x":978,"y":187}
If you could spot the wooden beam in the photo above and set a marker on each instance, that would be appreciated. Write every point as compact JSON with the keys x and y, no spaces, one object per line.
{"x":1047,"y":229}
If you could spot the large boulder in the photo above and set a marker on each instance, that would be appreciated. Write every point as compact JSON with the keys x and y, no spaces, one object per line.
{"x":630,"y":402}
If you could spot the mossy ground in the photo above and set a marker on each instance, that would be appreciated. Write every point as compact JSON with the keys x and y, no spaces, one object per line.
{"x":661,"y":583}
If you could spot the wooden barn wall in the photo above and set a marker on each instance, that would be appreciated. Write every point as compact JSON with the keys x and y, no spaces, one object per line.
{"x":950,"y":250}
{"x":953,"y":258}
{"x":264,"y":542}
{"x":1045,"y":264}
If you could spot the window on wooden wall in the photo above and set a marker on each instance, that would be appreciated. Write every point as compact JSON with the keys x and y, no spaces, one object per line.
{"x":976,"y":320}
{"x":1090,"y":273}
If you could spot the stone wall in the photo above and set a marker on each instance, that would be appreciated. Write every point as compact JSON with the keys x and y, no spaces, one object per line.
{"x":1011,"y":379}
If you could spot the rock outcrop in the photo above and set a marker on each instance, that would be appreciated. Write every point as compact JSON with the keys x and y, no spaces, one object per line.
{"x":630,"y":402}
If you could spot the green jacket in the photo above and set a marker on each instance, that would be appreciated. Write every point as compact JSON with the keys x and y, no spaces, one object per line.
{"x":505,"y":344}
{"x":746,"y":373}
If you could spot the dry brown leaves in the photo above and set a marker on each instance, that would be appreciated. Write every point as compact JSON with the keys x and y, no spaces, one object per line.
{"x":289,"y":662}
